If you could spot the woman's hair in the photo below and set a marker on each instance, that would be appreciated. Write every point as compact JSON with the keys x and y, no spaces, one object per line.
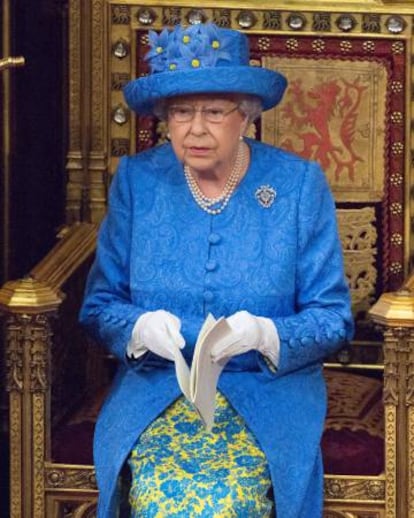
{"x":249,"y":105}
{"x":160,"y":109}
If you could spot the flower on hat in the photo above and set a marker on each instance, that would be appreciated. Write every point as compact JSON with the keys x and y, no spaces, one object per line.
{"x":197,"y":46}
{"x":157,"y":53}
{"x":217,"y":43}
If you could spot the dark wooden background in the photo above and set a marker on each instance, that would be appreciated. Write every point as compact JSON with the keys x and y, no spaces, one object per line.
{"x":38,"y":153}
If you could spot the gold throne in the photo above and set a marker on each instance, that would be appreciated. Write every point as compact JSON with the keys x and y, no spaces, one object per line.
{"x":349,"y":106}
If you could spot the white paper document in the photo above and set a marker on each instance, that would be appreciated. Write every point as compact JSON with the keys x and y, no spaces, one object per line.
{"x":199,"y":384}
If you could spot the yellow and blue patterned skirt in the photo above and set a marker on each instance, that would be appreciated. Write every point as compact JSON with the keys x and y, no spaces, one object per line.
{"x":180,"y":470}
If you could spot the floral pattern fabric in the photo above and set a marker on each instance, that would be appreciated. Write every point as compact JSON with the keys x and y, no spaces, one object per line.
{"x":180,"y":470}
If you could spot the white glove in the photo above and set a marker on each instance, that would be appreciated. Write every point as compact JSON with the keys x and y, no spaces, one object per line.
{"x":249,"y":333}
{"x":157,"y":331}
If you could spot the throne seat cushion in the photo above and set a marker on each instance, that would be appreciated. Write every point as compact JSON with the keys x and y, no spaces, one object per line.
{"x":352,"y":443}
{"x":353,"y":440}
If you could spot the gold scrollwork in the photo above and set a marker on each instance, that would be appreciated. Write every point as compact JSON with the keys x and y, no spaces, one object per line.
{"x":39,"y":359}
{"x":64,"y":477}
{"x":352,"y":514}
{"x":335,"y":488}
{"x":390,"y":459}
{"x":321,"y":22}
{"x":171,"y":16}
{"x":32,"y":333}
{"x":14,"y":354}
{"x":361,"y":489}
{"x":359,"y":237}
{"x":69,"y":508}
{"x":120,"y":14}
{"x":371,"y":23}
{"x":119,"y":80}
{"x":376,"y":489}
{"x":222,"y":17}
{"x":86,"y":510}
{"x":339,"y":514}
{"x":411,"y":460}
{"x":391,"y":371}
{"x":272,"y":20}
{"x":409,"y":396}
{"x":120,"y":146}
{"x":98,"y":81}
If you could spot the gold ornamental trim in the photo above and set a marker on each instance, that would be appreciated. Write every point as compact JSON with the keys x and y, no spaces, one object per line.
{"x":354,"y":6}
{"x":77,"y":243}
{"x":390,"y":460}
{"x":28,"y":340}
{"x":76,"y":153}
{"x":348,"y":511}
{"x":391,"y":370}
{"x":70,"y":476}
{"x":11,"y":62}
{"x":40,"y":291}
{"x":411,"y":461}
{"x":354,"y":489}
{"x":29,"y":295}
{"x":16,"y":447}
{"x":394,"y":309}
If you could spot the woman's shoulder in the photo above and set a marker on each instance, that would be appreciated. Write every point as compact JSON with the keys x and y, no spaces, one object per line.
{"x":146,"y":169}
{"x":280,"y":162}
{"x":268,"y":151}
{"x":149,"y":160}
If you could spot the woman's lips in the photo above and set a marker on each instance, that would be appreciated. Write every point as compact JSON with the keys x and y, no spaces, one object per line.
{"x":198,"y":151}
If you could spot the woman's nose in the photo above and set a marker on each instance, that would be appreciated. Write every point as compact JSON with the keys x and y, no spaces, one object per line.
{"x":198,"y":123}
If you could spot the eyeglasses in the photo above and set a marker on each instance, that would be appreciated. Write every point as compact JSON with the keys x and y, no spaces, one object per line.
{"x":186,"y":113}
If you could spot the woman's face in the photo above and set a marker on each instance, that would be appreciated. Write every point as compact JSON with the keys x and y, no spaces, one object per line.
{"x":200,"y":138}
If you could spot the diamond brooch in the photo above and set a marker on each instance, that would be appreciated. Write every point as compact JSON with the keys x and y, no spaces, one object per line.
{"x":265,"y":195}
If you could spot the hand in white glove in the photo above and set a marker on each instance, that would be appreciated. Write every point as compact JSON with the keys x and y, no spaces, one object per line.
{"x":249,"y":333}
{"x":157,"y":331}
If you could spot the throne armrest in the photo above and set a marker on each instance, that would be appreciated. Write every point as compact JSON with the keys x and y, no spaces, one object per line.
{"x":45,"y":354}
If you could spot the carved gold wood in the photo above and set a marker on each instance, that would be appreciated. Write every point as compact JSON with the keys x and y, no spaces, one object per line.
{"x":359,"y":240}
{"x":28,"y":365}
{"x":358,"y":512}
{"x":78,"y":116}
{"x":102,"y":46}
{"x":11,"y":62}
{"x":394,"y":312}
{"x":30,"y":305}
{"x":358,"y":489}
{"x":78,"y":480}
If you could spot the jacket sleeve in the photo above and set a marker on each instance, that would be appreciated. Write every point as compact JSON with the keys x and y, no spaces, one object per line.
{"x":323,"y":319}
{"x":107,"y":311}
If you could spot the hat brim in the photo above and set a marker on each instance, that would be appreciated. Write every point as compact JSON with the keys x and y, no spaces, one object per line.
{"x":142,"y":94}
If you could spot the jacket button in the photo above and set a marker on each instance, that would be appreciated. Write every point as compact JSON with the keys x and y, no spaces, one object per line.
{"x":211,"y":265}
{"x":214,"y":238}
{"x":208,"y":296}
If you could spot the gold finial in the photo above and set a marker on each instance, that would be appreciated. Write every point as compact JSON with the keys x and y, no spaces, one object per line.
{"x":11,"y":62}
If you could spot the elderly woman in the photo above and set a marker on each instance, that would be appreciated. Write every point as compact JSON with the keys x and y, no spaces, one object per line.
{"x":214,"y":222}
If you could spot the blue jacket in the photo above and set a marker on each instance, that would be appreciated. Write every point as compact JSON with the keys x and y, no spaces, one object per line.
{"x":158,"y":250}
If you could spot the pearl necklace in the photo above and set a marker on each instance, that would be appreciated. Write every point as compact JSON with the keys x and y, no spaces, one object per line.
{"x":205,"y":202}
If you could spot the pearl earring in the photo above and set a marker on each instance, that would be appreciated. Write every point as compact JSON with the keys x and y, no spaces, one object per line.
{"x":241,"y":138}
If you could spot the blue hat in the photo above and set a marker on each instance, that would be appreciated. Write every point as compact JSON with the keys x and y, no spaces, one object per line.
{"x":199,"y":59}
